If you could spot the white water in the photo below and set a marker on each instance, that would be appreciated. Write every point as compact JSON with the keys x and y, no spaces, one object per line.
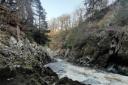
{"x":86,"y":75}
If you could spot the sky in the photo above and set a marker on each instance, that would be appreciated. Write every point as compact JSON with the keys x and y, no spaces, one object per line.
{"x":55,"y":8}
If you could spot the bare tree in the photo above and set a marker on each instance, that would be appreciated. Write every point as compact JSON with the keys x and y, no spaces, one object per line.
{"x":68,"y":21}
{"x":94,"y":5}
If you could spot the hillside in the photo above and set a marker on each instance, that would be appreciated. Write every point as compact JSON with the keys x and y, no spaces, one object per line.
{"x":22,"y":53}
{"x":87,"y":47}
{"x":99,"y":41}
{"x":20,"y":61}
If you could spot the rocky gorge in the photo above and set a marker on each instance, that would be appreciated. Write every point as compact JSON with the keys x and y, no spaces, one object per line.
{"x":22,"y":62}
{"x":103,"y":48}
{"x":86,"y":47}
{"x":85,"y":75}
{"x":26,"y":63}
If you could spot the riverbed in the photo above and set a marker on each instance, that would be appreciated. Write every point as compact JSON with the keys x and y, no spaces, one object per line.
{"x":86,"y":75}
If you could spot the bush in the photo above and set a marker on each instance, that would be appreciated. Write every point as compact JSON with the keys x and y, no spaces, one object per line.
{"x":38,"y":36}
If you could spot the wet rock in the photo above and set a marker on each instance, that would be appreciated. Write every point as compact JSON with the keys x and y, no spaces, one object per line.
{"x":112,"y":69}
{"x":49,"y":76}
{"x":67,"y":81}
{"x":92,"y":82}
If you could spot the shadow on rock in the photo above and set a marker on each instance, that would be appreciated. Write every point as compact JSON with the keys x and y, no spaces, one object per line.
{"x":67,"y":81}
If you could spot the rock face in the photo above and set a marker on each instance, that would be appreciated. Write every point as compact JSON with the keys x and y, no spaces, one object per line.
{"x":102,"y":48}
{"x":50,"y":77}
{"x":21,"y":62}
{"x":67,"y":81}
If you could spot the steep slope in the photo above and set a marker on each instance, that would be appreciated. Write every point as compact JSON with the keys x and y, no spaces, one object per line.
{"x":98,"y":42}
{"x":21,"y":62}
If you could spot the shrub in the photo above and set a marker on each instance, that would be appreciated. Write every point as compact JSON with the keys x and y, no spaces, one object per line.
{"x":38,"y":36}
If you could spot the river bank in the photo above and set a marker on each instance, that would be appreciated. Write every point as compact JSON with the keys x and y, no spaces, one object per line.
{"x":86,"y":75}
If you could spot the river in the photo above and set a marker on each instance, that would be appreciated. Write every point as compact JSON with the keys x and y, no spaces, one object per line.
{"x":86,"y":75}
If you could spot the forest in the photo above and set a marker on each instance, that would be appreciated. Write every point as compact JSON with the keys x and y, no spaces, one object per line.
{"x":87,"y":46}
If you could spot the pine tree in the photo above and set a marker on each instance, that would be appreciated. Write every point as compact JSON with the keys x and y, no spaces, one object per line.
{"x":40,"y":15}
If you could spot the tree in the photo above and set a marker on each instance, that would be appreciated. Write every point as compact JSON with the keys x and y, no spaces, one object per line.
{"x":64,"y":21}
{"x":94,"y":5}
{"x":39,"y":14}
{"x":121,"y":14}
{"x":23,"y":13}
{"x":32,"y":13}
{"x":54,"y":24}
{"x":68,"y":21}
{"x":79,"y":15}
